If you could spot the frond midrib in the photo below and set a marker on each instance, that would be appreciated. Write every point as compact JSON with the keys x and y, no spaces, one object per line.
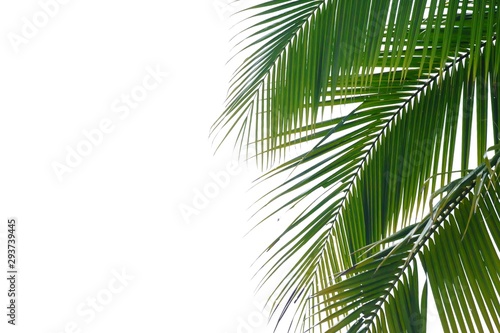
{"x":372,"y":146}
{"x":446,"y":211}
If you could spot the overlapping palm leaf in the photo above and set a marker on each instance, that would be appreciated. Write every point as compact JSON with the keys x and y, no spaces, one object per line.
{"x":420,"y":83}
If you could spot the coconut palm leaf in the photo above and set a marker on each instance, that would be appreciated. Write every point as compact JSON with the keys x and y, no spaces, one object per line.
{"x":459,"y":257}
{"x":419,"y":81}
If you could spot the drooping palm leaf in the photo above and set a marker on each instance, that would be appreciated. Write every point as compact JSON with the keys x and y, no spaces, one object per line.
{"x":461,"y":260}
{"x":421,"y":82}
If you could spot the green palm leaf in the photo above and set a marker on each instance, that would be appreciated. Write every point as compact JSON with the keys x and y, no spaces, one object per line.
{"x":420,"y":83}
{"x":463,"y":267}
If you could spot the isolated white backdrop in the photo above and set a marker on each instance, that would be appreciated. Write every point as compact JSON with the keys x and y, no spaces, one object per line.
{"x":119,"y":208}
{"x":117,"y":211}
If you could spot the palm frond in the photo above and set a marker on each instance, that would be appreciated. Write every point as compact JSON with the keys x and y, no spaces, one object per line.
{"x":420,"y":81}
{"x":462,"y":266}
{"x":373,"y":180}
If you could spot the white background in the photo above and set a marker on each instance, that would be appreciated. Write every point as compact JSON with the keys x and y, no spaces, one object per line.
{"x":118,"y":210}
